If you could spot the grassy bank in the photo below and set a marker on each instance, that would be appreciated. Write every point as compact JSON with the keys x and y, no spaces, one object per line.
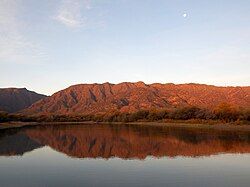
{"x":9,"y":125}
{"x":177,"y":124}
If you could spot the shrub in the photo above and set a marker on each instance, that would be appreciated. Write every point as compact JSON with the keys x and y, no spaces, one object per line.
{"x":185,"y":113}
{"x":226,"y":112}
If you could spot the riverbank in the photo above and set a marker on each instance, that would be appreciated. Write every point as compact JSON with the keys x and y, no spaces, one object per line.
{"x":9,"y":125}
{"x":217,"y":126}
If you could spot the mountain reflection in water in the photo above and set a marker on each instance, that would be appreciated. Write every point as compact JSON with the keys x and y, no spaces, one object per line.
{"x":123,"y":141}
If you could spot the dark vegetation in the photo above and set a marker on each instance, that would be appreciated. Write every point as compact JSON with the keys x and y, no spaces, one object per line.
{"x":224,"y":113}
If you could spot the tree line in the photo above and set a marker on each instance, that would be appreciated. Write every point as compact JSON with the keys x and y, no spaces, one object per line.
{"x":223,"y":112}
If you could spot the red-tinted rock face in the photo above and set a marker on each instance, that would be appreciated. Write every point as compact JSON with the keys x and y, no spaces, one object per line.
{"x":130,"y":97}
{"x":15,"y":99}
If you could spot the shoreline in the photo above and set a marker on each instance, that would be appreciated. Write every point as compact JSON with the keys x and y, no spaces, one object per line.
{"x":219,"y":126}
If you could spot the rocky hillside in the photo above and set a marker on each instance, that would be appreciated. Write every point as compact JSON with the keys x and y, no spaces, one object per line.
{"x":15,"y":99}
{"x":130,"y":97}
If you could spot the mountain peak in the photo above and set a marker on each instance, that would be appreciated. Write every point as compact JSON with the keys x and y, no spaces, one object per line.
{"x":140,"y":84}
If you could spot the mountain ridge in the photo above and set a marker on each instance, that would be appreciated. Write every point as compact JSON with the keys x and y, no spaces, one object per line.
{"x":16,"y":99}
{"x":130,"y":97}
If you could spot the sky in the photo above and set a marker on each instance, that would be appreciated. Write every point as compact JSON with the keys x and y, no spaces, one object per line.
{"x":47,"y":45}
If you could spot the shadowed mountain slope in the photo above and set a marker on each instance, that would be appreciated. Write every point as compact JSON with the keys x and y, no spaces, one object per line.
{"x":131,"y":97}
{"x":15,"y":99}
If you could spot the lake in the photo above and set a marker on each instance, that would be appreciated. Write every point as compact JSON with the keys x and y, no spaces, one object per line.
{"x":123,"y":155}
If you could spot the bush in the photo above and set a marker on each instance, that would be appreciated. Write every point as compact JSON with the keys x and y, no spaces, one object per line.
{"x":226,"y":112}
{"x":185,"y":113}
{"x":157,"y":115}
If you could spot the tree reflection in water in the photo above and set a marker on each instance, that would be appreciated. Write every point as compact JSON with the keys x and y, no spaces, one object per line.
{"x":124,"y":141}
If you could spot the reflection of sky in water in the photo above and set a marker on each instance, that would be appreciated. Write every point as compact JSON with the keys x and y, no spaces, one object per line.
{"x":48,"y":167}
{"x":66,"y":155}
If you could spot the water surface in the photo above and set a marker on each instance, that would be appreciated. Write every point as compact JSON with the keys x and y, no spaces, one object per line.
{"x":123,"y":155}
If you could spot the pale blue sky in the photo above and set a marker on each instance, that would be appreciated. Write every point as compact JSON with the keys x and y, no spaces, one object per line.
{"x":49,"y":45}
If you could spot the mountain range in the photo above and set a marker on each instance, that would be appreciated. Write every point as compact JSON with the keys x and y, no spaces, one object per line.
{"x":131,"y":97}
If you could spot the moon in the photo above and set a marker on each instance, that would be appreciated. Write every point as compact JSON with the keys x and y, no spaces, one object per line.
{"x":184,"y":15}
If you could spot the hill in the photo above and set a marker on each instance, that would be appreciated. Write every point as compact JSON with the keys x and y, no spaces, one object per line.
{"x":131,"y":97}
{"x":15,"y":99}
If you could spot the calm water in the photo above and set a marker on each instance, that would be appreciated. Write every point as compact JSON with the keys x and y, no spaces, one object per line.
{"x":112,"y":155}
